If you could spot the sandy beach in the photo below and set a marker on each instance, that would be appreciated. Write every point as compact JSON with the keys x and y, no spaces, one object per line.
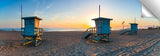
{"x":70,"y":43}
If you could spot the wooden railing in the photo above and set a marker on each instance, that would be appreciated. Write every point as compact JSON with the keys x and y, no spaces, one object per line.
{"x":37,"y":31}
{"x":22,"y":31}
{"x":90,"y":30}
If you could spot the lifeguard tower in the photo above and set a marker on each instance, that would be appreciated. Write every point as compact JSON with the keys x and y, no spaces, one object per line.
{"x":133,"y":29}
{"x":101,"y":31}
{"x":31,"y":32}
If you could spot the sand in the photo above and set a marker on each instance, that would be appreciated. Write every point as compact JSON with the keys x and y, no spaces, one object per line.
{"x":70,"y":43}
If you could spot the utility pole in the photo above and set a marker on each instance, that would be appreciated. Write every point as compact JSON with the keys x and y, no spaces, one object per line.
{"x":21,"y":17}
{"x":99,"y":10}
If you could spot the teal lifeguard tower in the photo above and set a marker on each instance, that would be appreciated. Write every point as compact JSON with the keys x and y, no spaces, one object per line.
{"x":101,"y":31}
{"x":31,"y":32}
{"x":132,"y":30}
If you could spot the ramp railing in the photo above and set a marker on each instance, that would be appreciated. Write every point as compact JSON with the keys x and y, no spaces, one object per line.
{"x":125,"y":31}
{"x":89,"y":31}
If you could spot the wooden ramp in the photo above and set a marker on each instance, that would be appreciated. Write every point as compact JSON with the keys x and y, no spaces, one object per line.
{"x":86,"y":35}
{"x":91,"y":33}
{"x":124,"y":31}
{"x":88,"y":32}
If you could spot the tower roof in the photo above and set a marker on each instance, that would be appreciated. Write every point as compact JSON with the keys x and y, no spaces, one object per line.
{"x":102,"y":18}
{"x":133,"y":23}
{"x":32,"y":17}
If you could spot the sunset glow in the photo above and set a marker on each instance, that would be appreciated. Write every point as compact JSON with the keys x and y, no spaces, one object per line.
{"x":71,"y":13}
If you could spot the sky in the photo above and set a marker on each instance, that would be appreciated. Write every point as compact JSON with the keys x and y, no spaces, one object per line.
{"x":73,"y":13}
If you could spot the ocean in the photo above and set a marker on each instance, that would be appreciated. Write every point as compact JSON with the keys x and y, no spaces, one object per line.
{"x":53,"y":29}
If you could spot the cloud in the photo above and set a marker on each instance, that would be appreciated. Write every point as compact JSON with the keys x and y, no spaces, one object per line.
{"x":38,"y":13}
{"x":66,"y":17}
{"x":49,"y":6}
